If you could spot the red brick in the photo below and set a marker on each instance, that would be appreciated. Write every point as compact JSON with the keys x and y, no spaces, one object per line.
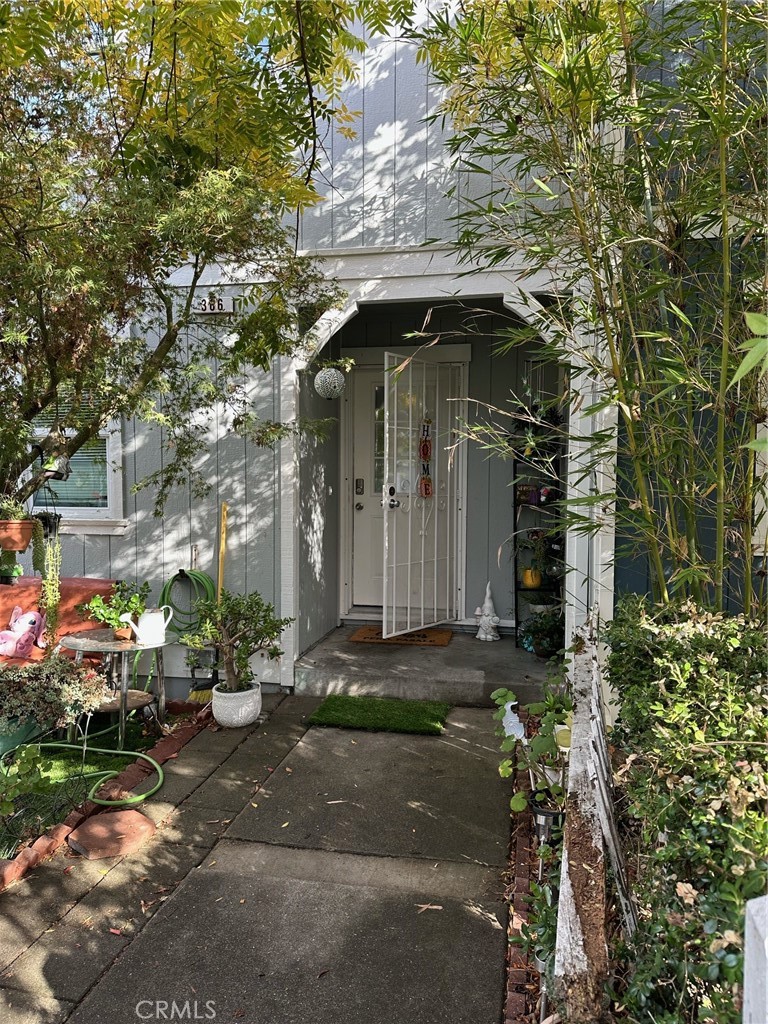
{"x":113,"y":789}
{"x":517,"y":959}
{"x":520,"y":903}
{"x":517,"y":921}
{"x":111,"y":835}
{"x":516,"y":977}
{"x":58,"y":834}
{"x":133,"y":775}
{"x":206,"y":715}
{"x":45,"y":846}
{"x":187,"y":733}
{"x":10,"y":871}
{"x":28,"y":859}
{"x":73,"y":819}
{"x":514,"y":1011}
{"x":182,"y":707}
{"x":164,"y":749}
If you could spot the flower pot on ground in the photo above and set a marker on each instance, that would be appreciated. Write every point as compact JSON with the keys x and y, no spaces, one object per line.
{"x":127,"y":598}
{"x":237,"y":627}
{"x":545,"y":632}
{"x":238,"y":708}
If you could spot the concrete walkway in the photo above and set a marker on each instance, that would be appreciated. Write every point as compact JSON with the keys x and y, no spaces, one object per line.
{"x":322,"y":875}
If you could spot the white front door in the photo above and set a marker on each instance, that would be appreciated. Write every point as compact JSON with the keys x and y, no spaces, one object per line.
{"x":420,"y":493}
{"x":424,"y":536}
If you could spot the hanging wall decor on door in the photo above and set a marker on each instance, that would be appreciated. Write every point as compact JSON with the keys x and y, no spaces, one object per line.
{"x":425,"y":458}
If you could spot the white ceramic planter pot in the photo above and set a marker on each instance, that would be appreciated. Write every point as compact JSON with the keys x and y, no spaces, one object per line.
{"x":235,"y":710}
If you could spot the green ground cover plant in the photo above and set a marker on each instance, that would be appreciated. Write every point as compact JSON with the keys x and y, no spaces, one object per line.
{"x":40,"y":784}
{"x":378,"y":714}
{"x":692,"y":738}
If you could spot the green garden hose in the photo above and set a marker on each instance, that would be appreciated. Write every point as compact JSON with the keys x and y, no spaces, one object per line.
{"x":185,"y":620}
{"x":203,"y":589}
{"x":103,"y":777}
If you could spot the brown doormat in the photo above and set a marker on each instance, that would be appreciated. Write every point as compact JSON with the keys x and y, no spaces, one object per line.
{"x":419,"y":637}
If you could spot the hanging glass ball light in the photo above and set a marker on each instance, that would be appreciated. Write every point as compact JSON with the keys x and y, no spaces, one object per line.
{"x":330,"y":382}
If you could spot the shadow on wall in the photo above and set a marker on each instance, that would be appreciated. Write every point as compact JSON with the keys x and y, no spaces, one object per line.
{"x":389,"y":185}
{"x":318,"y":515}
{"x":155,"y":548}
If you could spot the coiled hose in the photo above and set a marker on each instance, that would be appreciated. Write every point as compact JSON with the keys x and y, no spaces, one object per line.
{"x":203,"y":589}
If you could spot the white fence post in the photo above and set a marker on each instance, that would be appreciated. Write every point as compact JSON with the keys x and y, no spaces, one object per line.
{"x":590,"y":837}
{"x":581,"y":950}
{"x":756,"y":962}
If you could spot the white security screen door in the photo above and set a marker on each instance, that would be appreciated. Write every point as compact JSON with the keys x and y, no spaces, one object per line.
{"x":421,"y":521}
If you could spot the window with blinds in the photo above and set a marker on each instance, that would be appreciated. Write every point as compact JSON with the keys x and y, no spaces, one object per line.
{"x":87,"y":485}
{"x":93,"y":488}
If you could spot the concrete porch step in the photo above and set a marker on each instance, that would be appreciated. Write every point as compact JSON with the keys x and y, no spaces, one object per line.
{"x":464,"y":673}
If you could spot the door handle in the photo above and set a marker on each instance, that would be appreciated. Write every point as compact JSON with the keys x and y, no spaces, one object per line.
{"x":359,"y":506}
{"x":393,"y":503}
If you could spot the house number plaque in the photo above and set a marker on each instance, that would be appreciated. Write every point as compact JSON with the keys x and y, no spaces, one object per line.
{"x":215,"y":304}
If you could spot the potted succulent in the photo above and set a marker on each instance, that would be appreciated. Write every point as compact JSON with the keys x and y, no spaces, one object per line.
{"x":236,"y":627}
{"x":17,"y":529}
{"x":16,"y":525}
{"x":130,"y":598}
{"x":43,"y":695}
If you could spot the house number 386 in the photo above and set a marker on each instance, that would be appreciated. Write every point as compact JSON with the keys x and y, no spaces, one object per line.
{"x":214,"y":304}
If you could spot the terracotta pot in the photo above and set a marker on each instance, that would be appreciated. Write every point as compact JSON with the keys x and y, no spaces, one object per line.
{"x":15,"y":534}
{"x":123,"y":633}
{"x":531,"y":578}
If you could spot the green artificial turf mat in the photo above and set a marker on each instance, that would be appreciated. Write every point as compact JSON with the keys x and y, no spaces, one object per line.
{"x":376,"y":713}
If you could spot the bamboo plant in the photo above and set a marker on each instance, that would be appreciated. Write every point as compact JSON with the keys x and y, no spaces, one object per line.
{"x":621,"y":153}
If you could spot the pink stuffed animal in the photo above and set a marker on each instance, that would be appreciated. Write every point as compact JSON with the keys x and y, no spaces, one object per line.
{"x":27,"y":629}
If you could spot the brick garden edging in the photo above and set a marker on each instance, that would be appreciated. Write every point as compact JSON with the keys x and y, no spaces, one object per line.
{"x":520,"y":976}
{"x":166,"y":748}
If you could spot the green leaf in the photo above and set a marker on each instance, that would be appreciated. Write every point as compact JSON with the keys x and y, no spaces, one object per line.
{"x":758,"y":353}
{"x":519,"y":802}
{"x":757,"y":323}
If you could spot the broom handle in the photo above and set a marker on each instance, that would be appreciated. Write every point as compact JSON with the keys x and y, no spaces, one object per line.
{"x":222,"y":548}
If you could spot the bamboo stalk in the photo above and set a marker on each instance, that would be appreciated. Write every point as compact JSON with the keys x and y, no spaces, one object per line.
{"x":723,"y":138}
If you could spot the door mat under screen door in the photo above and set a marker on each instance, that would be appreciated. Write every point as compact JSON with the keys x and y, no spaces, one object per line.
{"x":418,"y":638}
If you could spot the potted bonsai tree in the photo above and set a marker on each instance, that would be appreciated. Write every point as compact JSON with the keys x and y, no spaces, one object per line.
{"x":236,"y":627}
{"x":126,"y":597}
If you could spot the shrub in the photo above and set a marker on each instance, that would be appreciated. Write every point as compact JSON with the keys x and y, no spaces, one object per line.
{"x":693,"y":735}
{"x":237,"y":627}
{"x":52,"y":692}
{"x":126,"y":597}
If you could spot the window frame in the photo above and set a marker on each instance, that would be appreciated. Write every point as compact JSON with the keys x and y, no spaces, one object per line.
{"x":108,"y":520}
